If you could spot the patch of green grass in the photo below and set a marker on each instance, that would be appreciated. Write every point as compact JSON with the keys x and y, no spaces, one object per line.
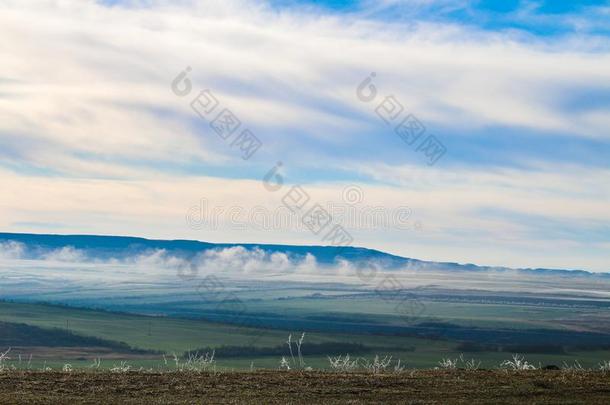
{"x":178,"y":335}
{"x":379,"y":310}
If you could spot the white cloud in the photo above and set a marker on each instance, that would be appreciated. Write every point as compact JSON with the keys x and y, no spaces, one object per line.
{"x":65,"y":254}
{"x":85,"y":93}
{"x":11,"y":250}
{"x":89,"y":81}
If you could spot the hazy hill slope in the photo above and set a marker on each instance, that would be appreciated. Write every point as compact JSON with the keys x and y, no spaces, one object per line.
{"x":118,"y":247}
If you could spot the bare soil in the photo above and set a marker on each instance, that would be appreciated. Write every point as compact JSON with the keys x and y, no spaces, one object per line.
{"x":274,"y":387}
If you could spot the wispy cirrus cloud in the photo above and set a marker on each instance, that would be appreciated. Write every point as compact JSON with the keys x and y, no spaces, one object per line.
{"x":106,"y":99}
{"x":92,"y":137}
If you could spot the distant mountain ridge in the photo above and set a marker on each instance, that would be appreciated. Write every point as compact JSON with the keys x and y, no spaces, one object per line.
{"x":118,"y":247}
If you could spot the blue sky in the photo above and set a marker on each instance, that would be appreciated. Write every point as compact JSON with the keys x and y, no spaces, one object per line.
{"x":543,"y":17}
{"x":92,"y":139}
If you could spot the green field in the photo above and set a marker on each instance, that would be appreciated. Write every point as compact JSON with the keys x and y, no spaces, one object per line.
{"x":173,"y":335}
{"x":378,"y":310}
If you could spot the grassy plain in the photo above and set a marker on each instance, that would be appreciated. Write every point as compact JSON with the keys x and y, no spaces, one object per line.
{"x":171,"y":335}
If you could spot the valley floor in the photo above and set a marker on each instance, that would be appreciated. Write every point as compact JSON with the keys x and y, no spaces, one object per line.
{"x":275,"y":387}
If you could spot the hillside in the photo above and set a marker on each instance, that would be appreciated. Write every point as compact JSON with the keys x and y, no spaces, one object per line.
{"x":120,"y":247}
{"x":23,"y":335}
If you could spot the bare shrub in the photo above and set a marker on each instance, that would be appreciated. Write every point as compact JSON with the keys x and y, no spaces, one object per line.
{"x":447,"y":364}
{"x":343,"y":364}
{"x":297,"y":362}
{"x":518,"y":363}
{"x":284,"y":364}
{"x":196,"y":363}
{"x":4,"y":358}
{"x":572,"y":372}
{"x":470,"y":365}
{"x":604,"y":366}
{"x":576,"y":367}
{"x":398,"y":368}
{"x":121,"y":368}
{"x":298,"y":344}
{"x":96,"y":364}
{"x":20,"y":363}
{"x":378,"y":365}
